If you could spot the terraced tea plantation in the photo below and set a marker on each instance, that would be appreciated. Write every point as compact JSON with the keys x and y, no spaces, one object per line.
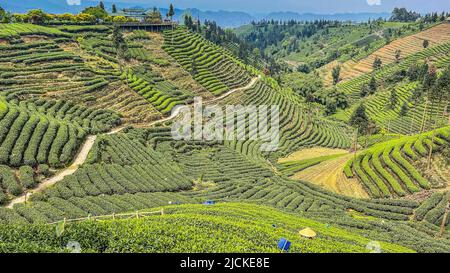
{"x":409,"y":45}
{"x":87,"y":152}
{"x":386,"y":168}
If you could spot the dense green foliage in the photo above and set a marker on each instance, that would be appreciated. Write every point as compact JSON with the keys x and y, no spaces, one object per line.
{"x":191,"y":228}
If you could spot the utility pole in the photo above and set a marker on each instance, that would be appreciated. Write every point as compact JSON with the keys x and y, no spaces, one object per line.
{"x":355,"y":145}
{"x":423,"y":117}
{"x":411,"y":125}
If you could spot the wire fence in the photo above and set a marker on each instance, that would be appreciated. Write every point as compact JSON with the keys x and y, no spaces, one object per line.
{"x":135,"y":215}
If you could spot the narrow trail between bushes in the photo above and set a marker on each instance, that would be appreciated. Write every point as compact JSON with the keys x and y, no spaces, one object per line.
{"x":86,"y":147}
{"x":79,"y":160}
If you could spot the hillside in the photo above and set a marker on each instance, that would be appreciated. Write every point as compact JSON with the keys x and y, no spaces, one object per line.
{"x":88,"y":116}
{"x":195,"y":228}
{"x":409,"y":45}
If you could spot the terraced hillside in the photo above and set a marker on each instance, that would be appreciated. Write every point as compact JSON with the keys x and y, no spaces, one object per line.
{"x":108,"y":183}
{"x":64,"y":86}
{"x":353,"y":86}
{"x":409,"y":45}
{"x":210,"y":65}
{"x":387,"y":169}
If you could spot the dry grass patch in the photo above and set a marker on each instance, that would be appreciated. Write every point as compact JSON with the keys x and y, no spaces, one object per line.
{"x":311,"y":153}
{"x":330,"y":175}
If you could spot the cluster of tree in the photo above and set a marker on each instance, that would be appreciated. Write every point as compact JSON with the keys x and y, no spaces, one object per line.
{"x":361,"y":121}
{"x":435,"y":17}
{"x":435,"y":86}
{"x":403,"y":15}
{"x":333,"y":100}
{"x":377,"y":63}
{"x":336,"y":74}
{"x":192,"y":24}
{"x":225,"y":37}
{"x":370,"y":88}
{"x":311,"y":88}
{"x":270,"y":33}
{"x":88,"y":15}
{"x":154,"y":16}
{"x":120,"y":44}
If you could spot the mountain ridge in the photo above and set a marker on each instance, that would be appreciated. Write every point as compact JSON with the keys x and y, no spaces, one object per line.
{"x":221,"y":17}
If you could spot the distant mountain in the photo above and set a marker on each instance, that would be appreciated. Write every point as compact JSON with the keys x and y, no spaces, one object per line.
{"x":355,"y":17}
{"x":223,"y":18}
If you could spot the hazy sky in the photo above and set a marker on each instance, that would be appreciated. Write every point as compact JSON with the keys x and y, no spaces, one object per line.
{"x":316,"y":6}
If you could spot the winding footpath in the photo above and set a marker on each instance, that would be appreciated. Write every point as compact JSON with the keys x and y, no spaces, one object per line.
{"x":86,"y":147}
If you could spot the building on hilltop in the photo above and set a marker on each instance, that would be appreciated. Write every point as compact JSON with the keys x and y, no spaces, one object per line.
{"x":152,"y":16}
{"x":135,"y":13}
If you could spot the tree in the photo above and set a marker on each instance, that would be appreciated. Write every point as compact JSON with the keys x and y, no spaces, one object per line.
{"x":171,"y":12}
{"x":36,"y":16}
{"x":436,"y":94}
{"x":402,"y":15}
{"x":114,"y":8}
{"x":413,"y":72}
{"x":120,"y":19}
{"x":429,"y":79}
{"x":66,"y":17}
{"x":154,"y":16}
{"x":426,"y":43}
{"x":194,"y":68}
{"x":398,"y":54}
{"x":441,"y":88}
{"x":304,"y":68}
{"x":377,"y":63}
{"x":5,"y":17}
{"x":101,"y":5}
{"x":2,"y":14}
{"x":404,"y":109}
{"x":373,"y":85}
{"x":119,"y":43}
{"x":336,"y":74}
{"x":188,"y":22}
{"x":359,"y":119}
{"x":365,"y":90}
{"x":393,"y":99}
{"x":84,"y":17}
{"x":330,"y":107}
{"x":97,"y":12}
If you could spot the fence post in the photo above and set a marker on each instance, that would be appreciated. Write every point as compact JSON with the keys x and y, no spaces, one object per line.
{"x":162,"y":211}
{"x":137,"y":214}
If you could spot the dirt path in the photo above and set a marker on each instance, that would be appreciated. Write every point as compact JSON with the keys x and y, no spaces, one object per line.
{"x":79,"y":160}
{"x":330,"y":175}
{"x":90,"y":141}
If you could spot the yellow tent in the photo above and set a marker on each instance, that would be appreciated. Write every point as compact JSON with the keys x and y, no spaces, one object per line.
{"x":307,"y":233}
